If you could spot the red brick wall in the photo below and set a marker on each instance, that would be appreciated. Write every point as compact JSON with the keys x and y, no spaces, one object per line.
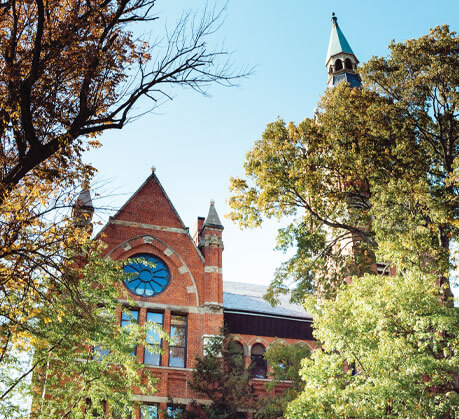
{"x":148,"y":223}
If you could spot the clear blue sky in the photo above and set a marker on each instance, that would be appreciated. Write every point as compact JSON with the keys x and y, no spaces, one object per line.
{"x":196,"y":143}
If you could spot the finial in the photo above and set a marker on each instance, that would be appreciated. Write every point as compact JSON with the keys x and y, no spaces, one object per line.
{"x":212,"y":202}
{"x":334,"y":19}
{"x":153,"y":169}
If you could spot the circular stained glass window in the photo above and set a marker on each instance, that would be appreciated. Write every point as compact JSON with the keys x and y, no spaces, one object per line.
{"x":147,"y":275}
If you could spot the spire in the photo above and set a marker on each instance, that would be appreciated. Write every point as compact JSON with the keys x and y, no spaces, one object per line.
{"x":341,"y":61}
{"x":84,"y":199}
{"x":212,"y":219}
{"x":83,"y":209}
{"x":338,"y":42}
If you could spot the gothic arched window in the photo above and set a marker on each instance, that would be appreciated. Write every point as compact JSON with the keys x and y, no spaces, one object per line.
{"x":348,"y":64}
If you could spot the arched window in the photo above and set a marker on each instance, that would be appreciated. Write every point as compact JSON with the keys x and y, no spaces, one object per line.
{"x":238,"y":346}
{"x":259,"y":365}
{"x":348,"y":63}
{"x":338,"y":65}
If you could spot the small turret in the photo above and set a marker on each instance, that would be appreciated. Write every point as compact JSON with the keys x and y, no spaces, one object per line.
{"x":211,"y":246}
{"x":83,"y":210}
{"x":341,"y":61}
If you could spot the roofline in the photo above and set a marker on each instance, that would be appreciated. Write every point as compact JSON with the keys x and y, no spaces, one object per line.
{"x":263,"y":314}
{"x":153,"y":175}
{"x":134,"y":194}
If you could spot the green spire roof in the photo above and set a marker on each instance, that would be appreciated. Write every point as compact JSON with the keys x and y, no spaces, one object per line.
{"x":338,"y":42}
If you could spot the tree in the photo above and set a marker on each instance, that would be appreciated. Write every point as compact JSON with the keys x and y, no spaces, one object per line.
{"x":377,"y":173}
{"x":68,"y":72}
{"x":221,"y":376}
{"x":285,"y":361}
{"x":82,"y":358}
{"x":401,"y":342}
{"x":373,"y":179}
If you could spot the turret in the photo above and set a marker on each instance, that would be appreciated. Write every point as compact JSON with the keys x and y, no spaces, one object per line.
{"x":211,"y":246}
{"x":83,"y":210}
{"x":341,"y":61}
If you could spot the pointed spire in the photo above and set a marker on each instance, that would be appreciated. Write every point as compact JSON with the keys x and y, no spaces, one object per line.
{"x":83,"y":209}
{"x":84,"y":199}
{"x":338,"y":42}
{"x":341,"y":61}
{"x":212,"y":219}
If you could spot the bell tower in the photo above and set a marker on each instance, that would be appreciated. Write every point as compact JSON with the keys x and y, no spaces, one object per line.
{"x":341,"y":61}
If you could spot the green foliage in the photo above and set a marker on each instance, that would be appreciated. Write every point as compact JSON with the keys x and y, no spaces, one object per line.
{"x":80,"y":352}
{"x":403,"y":342}
{"x":380,"y":162}
{"x":374,"y":178}
{"x":285,"y":362}
{"x":221,"y":376}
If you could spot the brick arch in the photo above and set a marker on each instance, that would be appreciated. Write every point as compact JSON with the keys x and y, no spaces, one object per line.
{"x":311,"y":348}
{"x":280,"y":340}
{"x":145,"y":241}
{"x":255,"y":340}
{"x":238,"y":339}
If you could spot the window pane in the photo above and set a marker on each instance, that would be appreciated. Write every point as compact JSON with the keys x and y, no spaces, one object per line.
{"x":175,"y":411}
{"x":149,"y":411}
{"x":152,"y":358}
{"x":152,"y":334}
{"x":126,"y":319}
{"x":155,"y":317}
{"x":177,"y":357}
{"x":178,"y":335}
{"x":152,"y":355}
{"x":100,"y":353}
{"x":178,"y":320}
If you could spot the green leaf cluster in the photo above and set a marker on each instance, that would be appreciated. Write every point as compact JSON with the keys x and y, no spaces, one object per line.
{"x":404,"y":346}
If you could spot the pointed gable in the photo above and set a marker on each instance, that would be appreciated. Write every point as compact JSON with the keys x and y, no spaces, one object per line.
{"x":150,"y":205}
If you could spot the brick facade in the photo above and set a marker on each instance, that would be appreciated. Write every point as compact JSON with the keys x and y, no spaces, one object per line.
{"x":149,"y":224}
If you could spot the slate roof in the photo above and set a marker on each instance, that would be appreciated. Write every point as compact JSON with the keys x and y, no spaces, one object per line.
{"x":212,"y":219}
{"x":338,"y":42}
{"x":351,"y":78}
{"x":238,"y":296}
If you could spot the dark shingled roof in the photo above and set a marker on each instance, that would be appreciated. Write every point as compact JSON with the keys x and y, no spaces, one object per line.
{"x":238,"y":296}
{"x":352,"y":79}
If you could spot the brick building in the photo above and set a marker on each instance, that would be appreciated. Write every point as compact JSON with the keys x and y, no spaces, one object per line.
{"x":183,"y":289}
{"x":185,"y":293}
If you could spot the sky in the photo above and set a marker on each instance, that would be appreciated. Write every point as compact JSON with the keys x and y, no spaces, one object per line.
{"x":196,"y":143}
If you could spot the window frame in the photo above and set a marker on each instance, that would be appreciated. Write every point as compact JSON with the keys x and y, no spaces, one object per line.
{"x":141,"y":416}
{"x":131,"y":309}
{"x":160,"y":344}
{"x":176,"y":346}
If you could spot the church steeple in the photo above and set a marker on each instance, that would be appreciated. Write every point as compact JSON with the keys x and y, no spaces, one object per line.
{"x":341,"y":61}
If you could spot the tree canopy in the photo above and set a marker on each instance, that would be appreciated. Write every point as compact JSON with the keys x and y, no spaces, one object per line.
{"x":376,"y":173}
{"x":222,"y":377}
{"x":68,"y":72}
{"x":374,"y":178}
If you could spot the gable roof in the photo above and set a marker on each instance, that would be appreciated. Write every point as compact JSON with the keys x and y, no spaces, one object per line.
{"x":242,"y":297}
{"x":152,"y":189}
